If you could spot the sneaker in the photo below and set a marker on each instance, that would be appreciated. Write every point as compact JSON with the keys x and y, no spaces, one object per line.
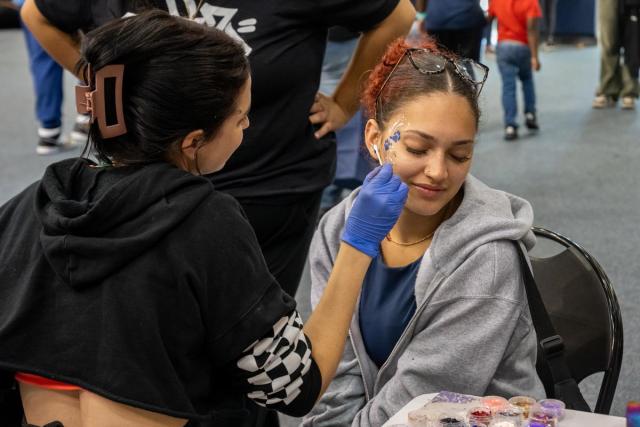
{"x":628,"y":103}
{"x":51,"y":143}
{"x":80,"y":132}
{"x":603,"y":101}
{"x":510,"y":133}
{"x":531,"y":121}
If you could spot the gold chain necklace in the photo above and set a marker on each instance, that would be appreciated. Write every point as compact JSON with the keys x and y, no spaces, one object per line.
{"x":412,"y":243}
{"x":447,"y":214}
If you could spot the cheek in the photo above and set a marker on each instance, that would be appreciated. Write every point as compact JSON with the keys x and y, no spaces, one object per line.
{"x":407,"y":170}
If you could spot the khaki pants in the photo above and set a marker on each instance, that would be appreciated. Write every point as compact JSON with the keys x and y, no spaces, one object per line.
{"x":615,"y":78}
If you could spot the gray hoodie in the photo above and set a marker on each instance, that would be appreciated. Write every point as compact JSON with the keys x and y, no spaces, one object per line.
{"x":471,"y":332}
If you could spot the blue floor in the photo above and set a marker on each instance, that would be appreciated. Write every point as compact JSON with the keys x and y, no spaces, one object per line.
{"x":580,"y":173}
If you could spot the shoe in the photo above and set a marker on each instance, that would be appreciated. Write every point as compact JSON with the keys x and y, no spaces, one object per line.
{"x":531,"y":121}
{"x":80,"y":132}
{"x":53,"y":145}
{"x":628,"y":103}
{"x":603,"y":101}
{"x":510,"y":133}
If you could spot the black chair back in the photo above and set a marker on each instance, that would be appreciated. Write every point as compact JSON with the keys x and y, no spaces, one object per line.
{"x":584,"y":311}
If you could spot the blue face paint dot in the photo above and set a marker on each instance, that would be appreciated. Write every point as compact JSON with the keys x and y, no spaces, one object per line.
{"x":396,"y":136}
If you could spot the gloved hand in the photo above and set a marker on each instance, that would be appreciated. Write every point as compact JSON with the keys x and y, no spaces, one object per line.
{"x":375,"y":211}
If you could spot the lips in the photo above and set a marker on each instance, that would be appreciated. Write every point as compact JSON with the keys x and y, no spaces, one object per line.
{"x":428,"y":191}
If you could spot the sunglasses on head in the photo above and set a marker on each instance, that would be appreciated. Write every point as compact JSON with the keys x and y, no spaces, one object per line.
{"x":428,"y":63}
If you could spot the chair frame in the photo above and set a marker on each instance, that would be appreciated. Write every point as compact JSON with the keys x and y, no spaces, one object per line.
{"x":611,"y":374}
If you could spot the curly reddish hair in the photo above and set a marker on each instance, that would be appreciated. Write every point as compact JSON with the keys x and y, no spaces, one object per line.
{"x":407,"y":83}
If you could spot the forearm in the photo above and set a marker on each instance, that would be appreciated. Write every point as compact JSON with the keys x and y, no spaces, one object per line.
{"x":370,"y":48}
{"x":533,"y":36}
{"x":62,"y":47}
{"x":328,"y":326}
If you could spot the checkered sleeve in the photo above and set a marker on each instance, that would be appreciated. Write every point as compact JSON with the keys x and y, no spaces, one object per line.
{"x":278,"y":371}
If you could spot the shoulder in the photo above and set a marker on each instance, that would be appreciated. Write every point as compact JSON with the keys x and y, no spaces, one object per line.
{"x":492,"y":270}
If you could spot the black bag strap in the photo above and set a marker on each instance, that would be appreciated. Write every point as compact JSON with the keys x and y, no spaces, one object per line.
{"x":551,"y":344}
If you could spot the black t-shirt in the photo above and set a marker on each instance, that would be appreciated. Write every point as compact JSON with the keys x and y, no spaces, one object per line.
{"x":285,"y":40}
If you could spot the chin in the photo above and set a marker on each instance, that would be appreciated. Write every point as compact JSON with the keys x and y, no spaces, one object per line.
{"x":423,"y":207}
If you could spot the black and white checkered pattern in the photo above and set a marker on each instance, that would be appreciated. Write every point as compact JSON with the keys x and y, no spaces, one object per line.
{"x":277,"y":363}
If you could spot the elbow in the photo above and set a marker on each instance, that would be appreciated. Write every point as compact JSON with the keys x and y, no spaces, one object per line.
{"x":31,"y":16}
{"x":408,"y":16}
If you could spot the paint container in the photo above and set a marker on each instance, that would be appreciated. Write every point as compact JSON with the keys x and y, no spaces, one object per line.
{"x":494,"y":403}
{"x":544,"y":416}
{"x":633,"y":414}
{"x":419,"y":418}
{"x":523,"y":402}
{"x":557,"y":407}
{"x":510,"y":415}
{"x":531,"y":423}
{"x":503,"y":423}
{"x":447,"y":421}
{"x":479,"y":414}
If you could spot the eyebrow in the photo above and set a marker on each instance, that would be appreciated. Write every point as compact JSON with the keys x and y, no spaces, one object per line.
{"x":431,"y":138}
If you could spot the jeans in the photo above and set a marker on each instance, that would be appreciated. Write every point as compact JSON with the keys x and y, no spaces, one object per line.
{"x":47,"y":82}
{"x":514,"y":62}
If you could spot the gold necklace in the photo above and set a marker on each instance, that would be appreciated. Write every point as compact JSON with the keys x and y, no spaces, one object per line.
{"x":412,"y":243}
{"x":447,"y":214}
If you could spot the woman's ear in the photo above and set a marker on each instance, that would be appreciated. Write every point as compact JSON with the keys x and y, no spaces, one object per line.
{"x":190,"y":144}
{"x":372,"y":135}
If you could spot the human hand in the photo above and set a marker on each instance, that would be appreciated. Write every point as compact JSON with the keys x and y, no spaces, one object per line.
{"x":375,"y":211}
{"x":326,"y":111}
{"x":535,"y":63}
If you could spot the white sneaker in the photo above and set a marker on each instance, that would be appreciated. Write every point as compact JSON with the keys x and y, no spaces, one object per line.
{"x":628,"y":103}
{"x":51,"y":143}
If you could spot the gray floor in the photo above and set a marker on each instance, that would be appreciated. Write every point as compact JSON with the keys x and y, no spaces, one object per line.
{"x":580,"y":173}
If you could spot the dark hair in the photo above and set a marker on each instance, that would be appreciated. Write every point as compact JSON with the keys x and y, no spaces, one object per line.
{"x":407,"y":83}
{"x":179,"y":76}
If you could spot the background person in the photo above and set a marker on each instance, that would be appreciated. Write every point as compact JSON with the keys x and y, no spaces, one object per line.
{"x":443,"y":305}
{"x":133,"y":293}
{"x":280,"y":171}
{"x":47,"y":83}
{"x":617,"y":79}
{"x":517,"y":56}
{"x":458,"y":25}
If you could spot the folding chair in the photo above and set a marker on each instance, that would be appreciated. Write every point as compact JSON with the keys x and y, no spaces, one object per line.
{"x":583,"y":309}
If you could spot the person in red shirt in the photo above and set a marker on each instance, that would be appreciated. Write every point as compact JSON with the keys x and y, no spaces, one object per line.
{"x":517,"y":55}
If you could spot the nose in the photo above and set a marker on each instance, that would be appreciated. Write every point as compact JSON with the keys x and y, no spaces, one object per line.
{"x":436,"y":167}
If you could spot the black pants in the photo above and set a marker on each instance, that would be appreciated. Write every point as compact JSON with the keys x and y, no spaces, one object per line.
{"x":465,"y":42}
{"x":284,"y":229}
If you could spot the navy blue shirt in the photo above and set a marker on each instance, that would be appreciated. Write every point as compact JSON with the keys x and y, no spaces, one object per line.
{"x":454,"y":15}
{"x":387,"y":303}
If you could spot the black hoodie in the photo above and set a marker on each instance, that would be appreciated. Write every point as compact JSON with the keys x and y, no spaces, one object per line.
{"x":141,"y":284}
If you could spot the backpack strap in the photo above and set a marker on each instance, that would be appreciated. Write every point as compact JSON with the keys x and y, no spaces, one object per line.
{"x":551,"y":344}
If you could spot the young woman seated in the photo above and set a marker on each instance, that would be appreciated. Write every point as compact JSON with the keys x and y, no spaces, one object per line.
{"x":443,"y":306}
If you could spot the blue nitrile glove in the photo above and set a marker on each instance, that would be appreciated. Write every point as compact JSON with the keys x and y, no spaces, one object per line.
{"x":375,"y":210}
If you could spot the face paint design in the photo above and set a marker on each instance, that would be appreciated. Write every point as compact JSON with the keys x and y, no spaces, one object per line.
{"x":388,"y":146}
